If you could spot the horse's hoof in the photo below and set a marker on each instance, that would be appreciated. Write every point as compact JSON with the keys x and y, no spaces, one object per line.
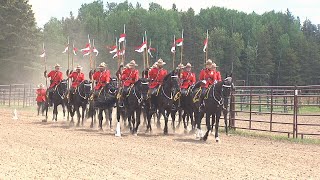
{"x":100,"y":129}
{"x":91,"y":126}
{"x":165,"y":132}
{"x":185,"y":131}
{"x":135,"y":134}
{"x":44,"y":120}
{"x":78,"y":125}
{"x":218,"y":140}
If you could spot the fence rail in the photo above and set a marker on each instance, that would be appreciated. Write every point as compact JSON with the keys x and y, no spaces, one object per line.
{"x":294,"y":110}
{"x":17,"y":95}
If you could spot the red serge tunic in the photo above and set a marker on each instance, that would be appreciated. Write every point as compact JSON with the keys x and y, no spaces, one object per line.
{"x":56,"y":78}
{"x":77,"y":78}
{"x":41,"y":95}
{"x":102,"y":78}
{"x":156,"y":76}
{"x":187,"y":79}
{"x":129,"y":77}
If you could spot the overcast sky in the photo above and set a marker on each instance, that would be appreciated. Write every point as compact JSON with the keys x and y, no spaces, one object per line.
{"x":44,"y":9}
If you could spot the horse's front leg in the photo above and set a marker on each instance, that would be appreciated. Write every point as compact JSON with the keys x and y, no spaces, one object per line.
{"x":78,"y":115}
{"x":149,"y":117}
{"x":84,"y":107}
{"x":165,"y":115}
{"x":216,"y":135}
{"x":63,"y":110}
{"x":138,"y":115}
{"x":55,"y":112}
{"x":100,"y":117}
{"x":110,"y":117}
{"x":158,"y":115}
{"x":173,"y":117}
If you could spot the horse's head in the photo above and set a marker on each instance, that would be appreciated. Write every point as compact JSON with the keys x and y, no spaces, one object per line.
{"x":172,"y":81}
{"x":227,"y":86}
{"x":86,"y":88}
{"x":112,"y":86}
{"x":63,"y":86}
{"x":142,"y":86}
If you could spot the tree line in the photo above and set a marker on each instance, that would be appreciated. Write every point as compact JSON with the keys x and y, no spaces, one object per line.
{"x":274,"y":48}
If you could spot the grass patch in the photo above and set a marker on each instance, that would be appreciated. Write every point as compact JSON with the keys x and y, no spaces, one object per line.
{"x":273,"y":137}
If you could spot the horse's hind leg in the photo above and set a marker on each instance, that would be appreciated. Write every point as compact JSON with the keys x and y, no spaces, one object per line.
{"x":225,"y":117}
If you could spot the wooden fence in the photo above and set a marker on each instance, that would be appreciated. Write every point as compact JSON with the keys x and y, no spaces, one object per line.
{"x":18,"y":95}
{"x":294,"y":110}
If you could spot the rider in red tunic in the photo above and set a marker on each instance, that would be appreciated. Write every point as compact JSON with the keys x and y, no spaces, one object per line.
{"x":209,"y":76}
{"x":156,"y":76}
{"x":41,"y":98}
{"x":56,"y":77}
{"x":102,"y":77}
{"x":129,"y":76}
{"x":187,"y":79}
{"x":77,"y":78}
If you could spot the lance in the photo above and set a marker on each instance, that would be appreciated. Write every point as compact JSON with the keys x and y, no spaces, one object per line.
{"x":124,"y":44}
{"x":181,"y":48}
{"x":45,"y":66}
{"x":206,"y":52}
{"x":174,"y":52}
{"x":147,"y":56}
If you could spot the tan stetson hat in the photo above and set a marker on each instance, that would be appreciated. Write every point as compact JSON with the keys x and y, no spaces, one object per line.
{"x":188,"y":65}
{"x":126,"y":66}
{"x":57,"y":65}
{"x":154,"y":65}
{"x":40,"y":85}
{"x":132,"y":63}
{"x":214,"y":65}
{"x":209,"y":62}
{"x":79,"y":67}
{"x":180,"y":66}
{"x":102,"y":65}
{"x":160,"y":62}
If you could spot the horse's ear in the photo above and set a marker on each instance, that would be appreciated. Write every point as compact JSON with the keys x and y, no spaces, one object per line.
{"x":226,"y":75}
{"x":230,"y":75}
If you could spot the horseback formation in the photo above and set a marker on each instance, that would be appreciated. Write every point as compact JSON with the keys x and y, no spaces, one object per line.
{"x":156,"y":93}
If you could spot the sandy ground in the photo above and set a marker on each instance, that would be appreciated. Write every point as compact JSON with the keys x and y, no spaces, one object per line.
{"x":31,"y":149}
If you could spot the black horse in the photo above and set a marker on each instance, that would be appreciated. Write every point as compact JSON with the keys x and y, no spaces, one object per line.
{"x":105,"y":101}
{"x":213,"y":105}
{"x":136,"y":97}
{"x":190,"y":105}
{"x":79,"y":99}
{"x":58,"y":98}
{"x":163,"y":102}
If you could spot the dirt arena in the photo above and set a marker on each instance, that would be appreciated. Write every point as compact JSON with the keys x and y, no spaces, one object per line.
{"x":31,"y":149}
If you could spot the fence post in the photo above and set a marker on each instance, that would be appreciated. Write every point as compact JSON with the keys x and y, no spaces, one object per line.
{"x":294,"y":132}
{"x":10,"y":95}
{"x":271,"y":109}
{"x":232,"y":110}
{"x":24,"y":95}
{"x":250,"y":106}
